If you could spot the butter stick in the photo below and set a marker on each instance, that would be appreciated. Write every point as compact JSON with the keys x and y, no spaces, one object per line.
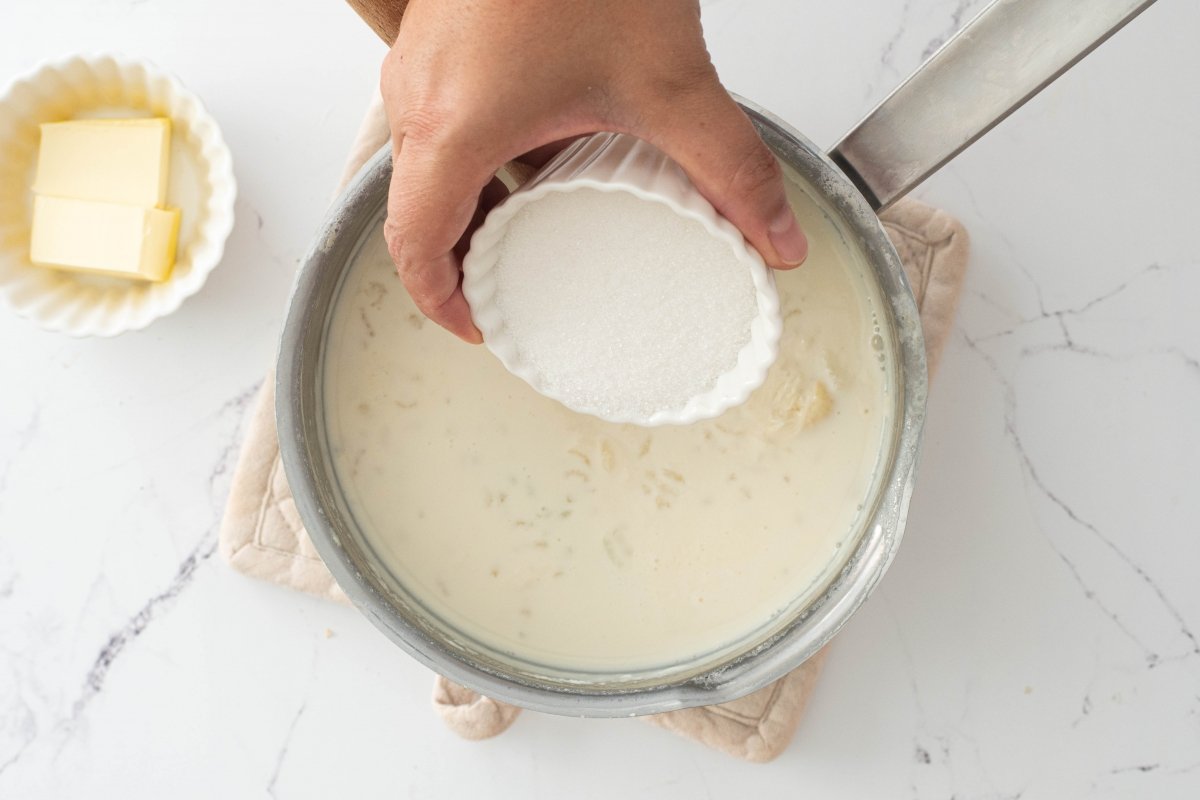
{"x":109,"y":160}
{"x":104,"y":238}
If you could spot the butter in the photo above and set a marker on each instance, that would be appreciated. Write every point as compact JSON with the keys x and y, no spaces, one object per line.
{"x":99,"y":198}
{"x":110,"y":160}
{"x":105,"y":238}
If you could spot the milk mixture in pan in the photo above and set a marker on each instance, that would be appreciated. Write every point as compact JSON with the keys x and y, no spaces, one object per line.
{"x":578,"y":544}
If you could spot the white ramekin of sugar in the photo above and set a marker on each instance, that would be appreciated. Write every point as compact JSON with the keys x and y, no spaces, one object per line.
{"x":609,"y":283}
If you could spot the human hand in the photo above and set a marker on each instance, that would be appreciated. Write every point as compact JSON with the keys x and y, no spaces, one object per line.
{"x":472,"y":84}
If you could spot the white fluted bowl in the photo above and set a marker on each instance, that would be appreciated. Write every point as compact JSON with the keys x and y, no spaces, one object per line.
{"x":611,"y":162}
{"x":201,"y":185}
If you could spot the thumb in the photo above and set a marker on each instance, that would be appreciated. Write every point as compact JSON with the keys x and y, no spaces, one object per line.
{"x":431,"y":201}
{"x":732,"y":167}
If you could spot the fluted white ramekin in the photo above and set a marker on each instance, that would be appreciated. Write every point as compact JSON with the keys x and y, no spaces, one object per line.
{"x":201,"y":185}
{"x":612,"y":162}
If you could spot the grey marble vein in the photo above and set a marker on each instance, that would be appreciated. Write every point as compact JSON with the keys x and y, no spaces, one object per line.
{"x":137,"y":624}
{"x":283,"y":748}
{"x":26,"y":729}
{"x":888,"y":54}
{"x":1034,"y":478}
{"x":24,"y":437}
{"x":185,"y":573}
{"x":887,"y":67}
{"x":1134,"y":768}
{"x":957,"y":18}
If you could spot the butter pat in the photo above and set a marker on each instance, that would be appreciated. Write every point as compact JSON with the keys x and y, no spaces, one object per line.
{"x":110,"y":160}
{"x":106,"y":238}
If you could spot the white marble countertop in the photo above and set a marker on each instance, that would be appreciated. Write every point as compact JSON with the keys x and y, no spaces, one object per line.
{"x":1036,"y":638}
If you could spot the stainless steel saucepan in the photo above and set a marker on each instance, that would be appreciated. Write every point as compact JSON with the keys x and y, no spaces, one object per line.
{"x":1001,"y":59}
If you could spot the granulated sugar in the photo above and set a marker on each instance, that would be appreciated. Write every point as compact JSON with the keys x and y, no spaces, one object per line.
{"x":621,"y":306}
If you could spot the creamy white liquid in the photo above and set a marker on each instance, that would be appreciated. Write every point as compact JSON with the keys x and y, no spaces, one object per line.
{"x":583,"y":545}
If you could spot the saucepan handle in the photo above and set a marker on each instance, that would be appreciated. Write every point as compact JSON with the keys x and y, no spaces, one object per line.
{"x":1002,"y":58}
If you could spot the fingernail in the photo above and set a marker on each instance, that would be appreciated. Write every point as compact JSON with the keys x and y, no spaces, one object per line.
{"x":788,"y":240}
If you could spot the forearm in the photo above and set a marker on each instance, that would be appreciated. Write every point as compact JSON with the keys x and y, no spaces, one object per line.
{"x":382,"y":15}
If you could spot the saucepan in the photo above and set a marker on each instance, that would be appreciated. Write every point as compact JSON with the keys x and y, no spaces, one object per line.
{"x":1002,"y":58}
